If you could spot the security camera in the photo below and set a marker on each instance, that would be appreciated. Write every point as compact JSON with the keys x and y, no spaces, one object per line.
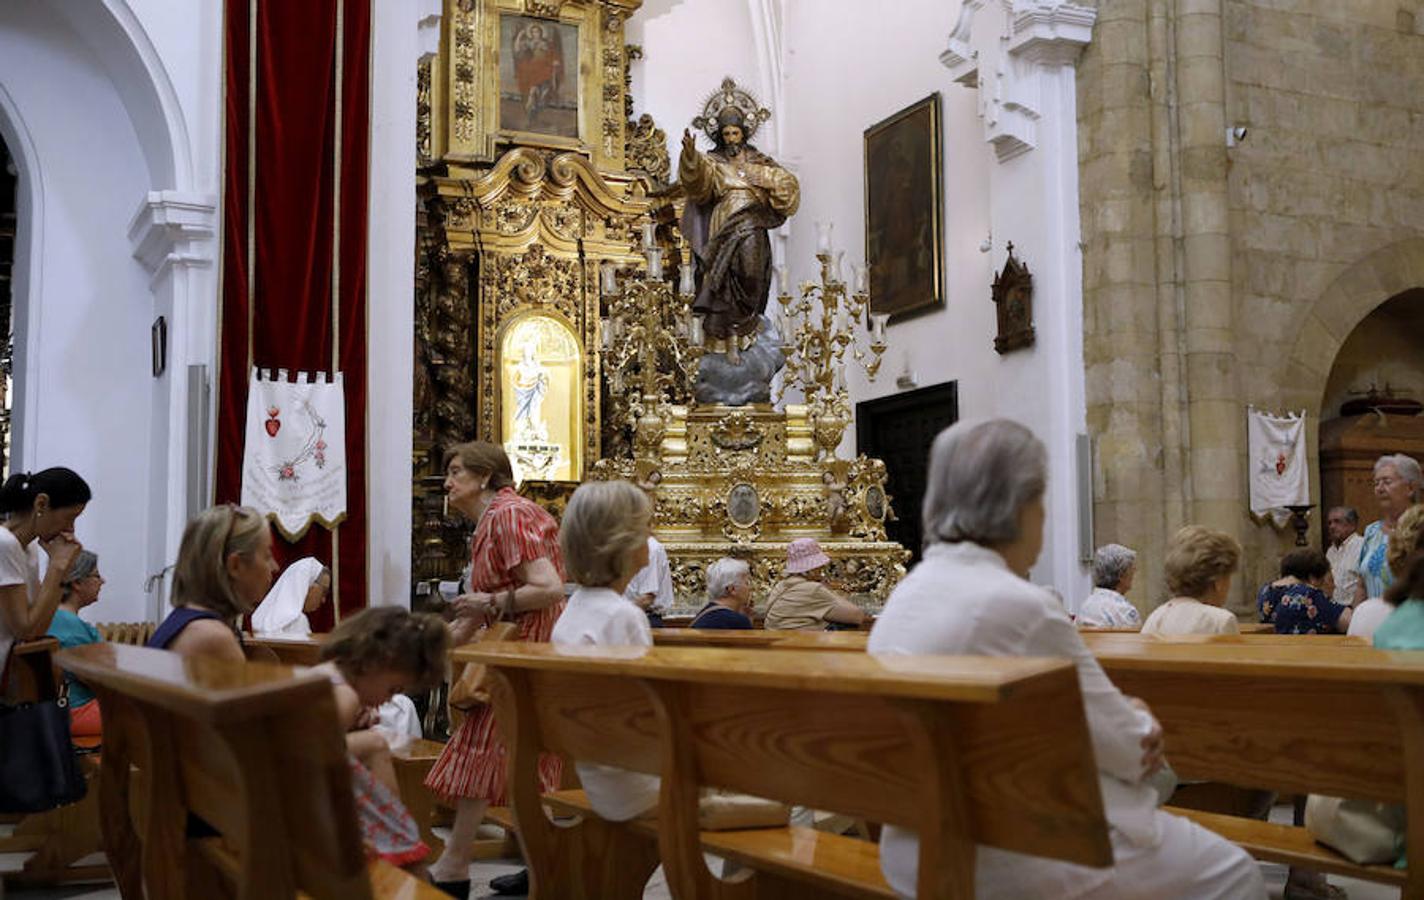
{"x":986,"y":245}
{"x":1235,"y":134}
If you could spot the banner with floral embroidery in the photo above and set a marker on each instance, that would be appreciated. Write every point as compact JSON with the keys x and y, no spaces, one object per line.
{"x":1279,"y":477}
{"x":294,"y":462}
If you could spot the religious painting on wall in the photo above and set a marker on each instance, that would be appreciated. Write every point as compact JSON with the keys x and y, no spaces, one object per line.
{"x":903,"y":203}
{"x":538,"y":76}
{"x":541,"y":399}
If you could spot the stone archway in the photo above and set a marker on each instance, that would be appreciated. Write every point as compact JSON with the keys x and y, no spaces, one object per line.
{"x":1352,"y":296}
{"x":1358,"y":291}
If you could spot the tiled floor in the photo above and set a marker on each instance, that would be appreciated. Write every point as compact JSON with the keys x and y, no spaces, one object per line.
{"x":482,"y":872}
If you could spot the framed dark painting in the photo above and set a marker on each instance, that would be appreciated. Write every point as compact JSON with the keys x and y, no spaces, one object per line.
{"x":538,"y":76}
{"x":903,"y":202}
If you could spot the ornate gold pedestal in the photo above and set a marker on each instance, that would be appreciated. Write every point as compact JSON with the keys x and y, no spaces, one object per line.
{"x":743,"y":482}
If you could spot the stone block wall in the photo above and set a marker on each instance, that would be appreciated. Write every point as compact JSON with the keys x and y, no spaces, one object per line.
{"x":1216,"y":276}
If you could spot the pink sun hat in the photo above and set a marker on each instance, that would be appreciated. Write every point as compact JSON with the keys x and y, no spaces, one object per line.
{"x":803,"y":555}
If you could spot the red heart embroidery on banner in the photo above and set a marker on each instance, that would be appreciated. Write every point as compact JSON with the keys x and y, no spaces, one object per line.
{"x":273,"y":426}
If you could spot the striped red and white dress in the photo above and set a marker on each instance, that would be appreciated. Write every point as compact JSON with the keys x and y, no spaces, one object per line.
{"x":512,"y":531}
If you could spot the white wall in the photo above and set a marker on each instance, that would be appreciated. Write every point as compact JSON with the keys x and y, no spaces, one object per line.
{"x":84,"y":303}
{"x":839,"y":67}
{"x":113,"y":111}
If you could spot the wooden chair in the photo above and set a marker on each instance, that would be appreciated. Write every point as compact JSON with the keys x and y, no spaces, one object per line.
{"x":1294,"y":714}
{"x":966,"y":751}
{"x":226,"y":779}
{"x":59,"y":838}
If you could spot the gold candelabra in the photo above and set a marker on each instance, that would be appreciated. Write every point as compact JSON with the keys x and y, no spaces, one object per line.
{"x":651,"y":347}
{"x":818,"y":328}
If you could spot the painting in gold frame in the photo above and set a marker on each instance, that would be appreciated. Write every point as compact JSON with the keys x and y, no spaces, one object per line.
{"x":538,"y":76}
{"x":472,"y":123}
{"x":903,"y":208}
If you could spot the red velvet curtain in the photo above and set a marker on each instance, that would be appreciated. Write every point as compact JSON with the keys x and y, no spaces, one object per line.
{"x":294,"y":242}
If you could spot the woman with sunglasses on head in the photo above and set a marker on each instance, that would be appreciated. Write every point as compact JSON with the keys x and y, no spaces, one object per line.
{"x":224,"y":569}
{"x":39,"y":511}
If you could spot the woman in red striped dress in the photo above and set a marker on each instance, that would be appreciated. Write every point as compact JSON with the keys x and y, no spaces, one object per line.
{"x":516,"y":572}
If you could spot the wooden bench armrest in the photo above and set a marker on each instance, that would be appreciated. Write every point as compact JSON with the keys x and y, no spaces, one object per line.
{"x":1288,"y":845}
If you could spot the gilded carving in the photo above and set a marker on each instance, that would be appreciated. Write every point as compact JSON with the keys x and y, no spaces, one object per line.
{"x":422,"y":114}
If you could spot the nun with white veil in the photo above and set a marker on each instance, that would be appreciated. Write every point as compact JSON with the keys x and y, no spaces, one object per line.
{"x":302,"y":589}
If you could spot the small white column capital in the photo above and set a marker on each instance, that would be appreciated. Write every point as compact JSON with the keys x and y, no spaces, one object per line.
{"x":1004,"y":49}
{"x":173,"y":228}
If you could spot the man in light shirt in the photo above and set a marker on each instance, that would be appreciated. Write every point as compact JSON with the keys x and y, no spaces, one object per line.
{"x":1344,"y":551}
{"x":651,"y":589}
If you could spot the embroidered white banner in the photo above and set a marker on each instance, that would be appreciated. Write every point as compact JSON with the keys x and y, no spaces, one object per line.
{"x":1279,"y":477}
{"x":294,"y":463}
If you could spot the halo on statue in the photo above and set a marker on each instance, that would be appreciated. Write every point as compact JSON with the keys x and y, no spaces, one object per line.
{"x":729,"y":95}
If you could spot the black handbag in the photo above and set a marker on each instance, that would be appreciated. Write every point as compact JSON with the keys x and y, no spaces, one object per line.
{"x":38,"y":768}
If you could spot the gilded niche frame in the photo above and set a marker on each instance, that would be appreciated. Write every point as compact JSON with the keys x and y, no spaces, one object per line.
{"x":477,"y":76}
{"x":904,"y":203}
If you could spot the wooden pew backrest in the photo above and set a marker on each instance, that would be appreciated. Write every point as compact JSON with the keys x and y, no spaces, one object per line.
{"x":975,"y":749}
{"x":252,"y":750}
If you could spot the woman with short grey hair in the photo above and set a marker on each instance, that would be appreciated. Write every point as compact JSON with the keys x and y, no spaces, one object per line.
{"x":1114,"y":567}
{"x":984,"y":518}
{"x":1399,"y":484}
{"x":729,"y":596}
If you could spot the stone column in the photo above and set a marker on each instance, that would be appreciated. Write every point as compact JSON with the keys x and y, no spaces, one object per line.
{"x":1124,"y":325}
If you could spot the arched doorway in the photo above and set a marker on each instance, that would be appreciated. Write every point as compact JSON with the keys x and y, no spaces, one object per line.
{"x":9,"y":226}
{"x":1329,"y":322}
{"x":104,"y":222}
{"x":1373,"y":396}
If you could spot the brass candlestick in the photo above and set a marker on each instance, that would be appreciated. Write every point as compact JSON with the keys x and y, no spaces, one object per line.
{"x":647,"y":325}
{"x":818,"y":328}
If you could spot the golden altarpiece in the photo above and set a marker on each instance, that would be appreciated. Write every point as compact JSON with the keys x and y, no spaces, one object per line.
{"x":544,"y":321}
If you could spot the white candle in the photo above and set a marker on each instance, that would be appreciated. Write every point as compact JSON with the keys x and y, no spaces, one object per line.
{"x":687,"y":282}
{"x":783,"y":280}
{"x":862,"y":279}
{"x":650,"y":235}
{"x":655,"y":264}
{"x":609,"y":272}
{"x":877,"y":324}
{"x":696,"y":337}
{"x":607,"y":330}
{"x":839,"y":270}
{"x":823,"y":236}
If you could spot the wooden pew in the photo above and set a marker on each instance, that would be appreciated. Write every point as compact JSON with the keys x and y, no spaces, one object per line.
{"x":290,"y":651}
{"x":59,"y":838}
{"x":964,"y":750}
{"x":1294,"y":714}
{"x":253,"y":751}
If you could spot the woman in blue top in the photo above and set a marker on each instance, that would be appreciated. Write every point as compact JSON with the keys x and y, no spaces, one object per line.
{"x":1404,"y":629}
{"x":1398,"y":484}
{"x":1299,"y":601}
{"x":80,"y":588}
{"x":224,"y":569}
{"x":729,"y":593}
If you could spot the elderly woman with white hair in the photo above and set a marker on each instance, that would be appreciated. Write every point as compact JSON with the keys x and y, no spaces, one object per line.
{"x":604,"y":540}
{"x":983,"y":518}
{"x":1399,"y":484}
{"x":729,"y":596}
{"x":1114,"y":567}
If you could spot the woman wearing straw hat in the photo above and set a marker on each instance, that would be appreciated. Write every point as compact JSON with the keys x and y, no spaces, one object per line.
{"x":801,"y":601}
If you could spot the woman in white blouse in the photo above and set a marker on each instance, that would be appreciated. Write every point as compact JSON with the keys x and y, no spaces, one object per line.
{"x":604,"y":539}
{"x":1114,"y":567}
{"x":1198,"y":569}
{"x":983,"y":518}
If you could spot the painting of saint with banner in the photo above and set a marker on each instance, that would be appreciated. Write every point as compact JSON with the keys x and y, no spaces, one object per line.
{"x":538,"y":76}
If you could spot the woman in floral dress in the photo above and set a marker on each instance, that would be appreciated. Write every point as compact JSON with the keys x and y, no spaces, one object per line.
{"x":1299,"y":601}
{"x":516,"y":573}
